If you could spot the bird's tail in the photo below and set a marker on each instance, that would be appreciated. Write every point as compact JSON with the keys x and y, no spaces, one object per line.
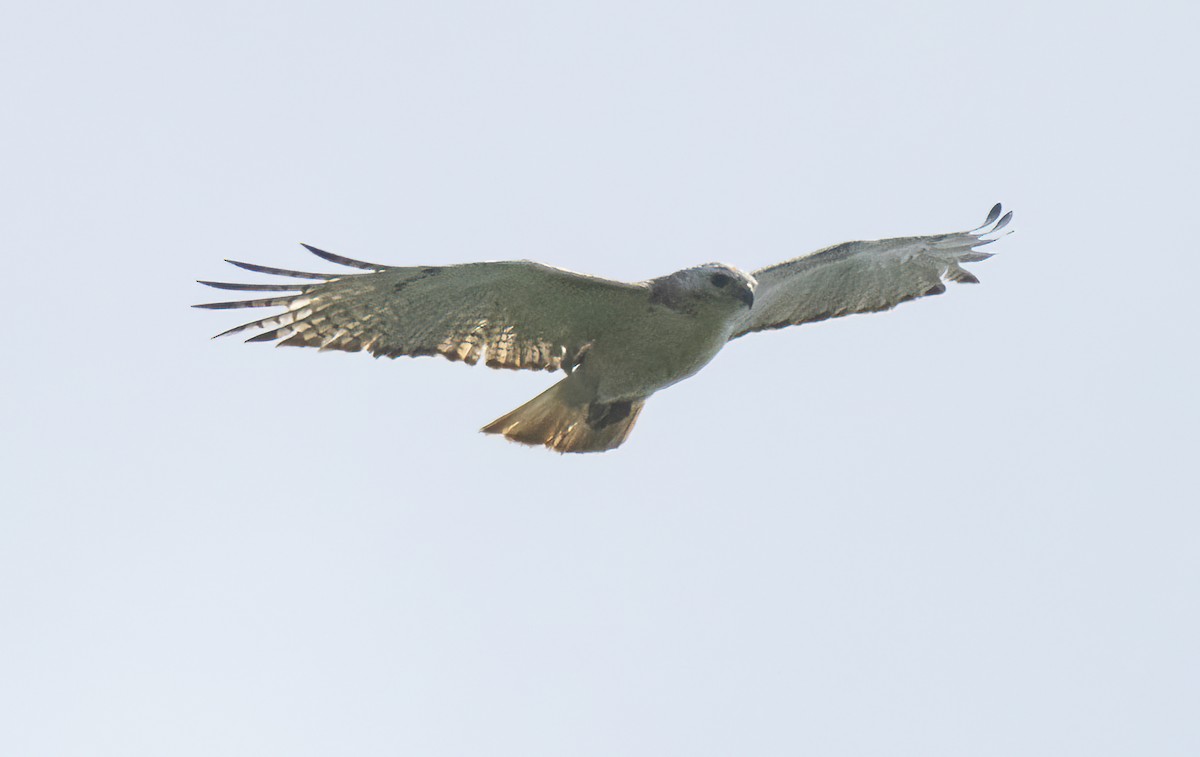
{"x":561,"y":422}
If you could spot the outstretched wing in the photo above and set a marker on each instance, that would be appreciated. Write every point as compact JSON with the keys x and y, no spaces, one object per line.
{"x":515,"y":314}
{"x":865,"y":277}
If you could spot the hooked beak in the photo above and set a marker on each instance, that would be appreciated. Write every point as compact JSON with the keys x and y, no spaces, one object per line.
{"x":748,"y":297}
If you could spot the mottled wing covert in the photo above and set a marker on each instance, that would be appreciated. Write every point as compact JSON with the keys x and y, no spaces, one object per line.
{"x":516,"y":314}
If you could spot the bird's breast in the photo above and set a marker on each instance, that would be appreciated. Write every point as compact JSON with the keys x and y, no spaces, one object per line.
{"x":640,"y":358}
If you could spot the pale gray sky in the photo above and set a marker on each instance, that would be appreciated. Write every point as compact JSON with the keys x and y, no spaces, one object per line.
{"x":966,"y":527}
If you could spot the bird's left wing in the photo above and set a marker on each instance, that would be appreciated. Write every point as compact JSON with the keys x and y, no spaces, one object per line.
{"x":516,"y":314}
{"x":865,"y":277}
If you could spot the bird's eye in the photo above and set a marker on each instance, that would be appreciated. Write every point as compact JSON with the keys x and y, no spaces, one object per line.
{"x":720,"y":280}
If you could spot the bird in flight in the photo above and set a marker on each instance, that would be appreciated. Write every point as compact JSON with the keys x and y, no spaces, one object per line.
{"x":618,"y":343}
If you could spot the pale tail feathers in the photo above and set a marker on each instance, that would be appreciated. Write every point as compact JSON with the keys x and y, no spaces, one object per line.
{"x":554,"y":420}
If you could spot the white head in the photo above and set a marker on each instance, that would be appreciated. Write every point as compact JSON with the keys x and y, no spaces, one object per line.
{"x":704,"y":286}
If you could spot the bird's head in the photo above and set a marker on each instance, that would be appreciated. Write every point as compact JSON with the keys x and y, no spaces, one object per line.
{"x":703,"y":287}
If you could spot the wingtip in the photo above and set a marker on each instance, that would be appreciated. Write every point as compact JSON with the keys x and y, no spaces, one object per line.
{"x":992,"y":215}
{"x":256,"y":268}
{"x":1003,"y":222}
{"x":333,"y":257}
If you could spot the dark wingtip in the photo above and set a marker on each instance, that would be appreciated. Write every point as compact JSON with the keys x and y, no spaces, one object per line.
{"x":280,"y":271}
{"x":218,"y":305}
{"x":233,"y":330}
{"x":253,"y":287}
{"x":992,"y":215}
{"x":270,"y":302}
{"x":1003,"y":222}
{"x":340,"y":260}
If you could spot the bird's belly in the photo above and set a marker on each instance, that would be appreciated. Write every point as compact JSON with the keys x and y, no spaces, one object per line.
{"x":640,"y":367}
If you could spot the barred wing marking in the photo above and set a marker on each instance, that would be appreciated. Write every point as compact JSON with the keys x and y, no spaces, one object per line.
{"x":516,"y":314}
{"x":865,"y":277}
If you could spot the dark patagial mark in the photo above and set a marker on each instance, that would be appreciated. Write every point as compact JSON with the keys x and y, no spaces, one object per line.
{"x":604,"y":414}
{"x":425,"y":273}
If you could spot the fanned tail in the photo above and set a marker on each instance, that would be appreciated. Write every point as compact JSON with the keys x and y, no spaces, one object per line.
{"x":566,"y":423}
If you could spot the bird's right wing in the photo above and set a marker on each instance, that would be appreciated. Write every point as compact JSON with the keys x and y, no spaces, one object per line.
{"x":516,"y":314}
{"x":865,"y":277}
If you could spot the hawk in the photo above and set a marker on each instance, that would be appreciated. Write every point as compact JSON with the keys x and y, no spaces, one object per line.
{"x":618,"y":343}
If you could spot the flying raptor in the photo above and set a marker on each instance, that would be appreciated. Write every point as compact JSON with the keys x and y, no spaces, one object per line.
{"x":618,"y":343}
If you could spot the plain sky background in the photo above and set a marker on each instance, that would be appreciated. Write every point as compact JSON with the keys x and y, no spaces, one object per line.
{"x":965,"y":527}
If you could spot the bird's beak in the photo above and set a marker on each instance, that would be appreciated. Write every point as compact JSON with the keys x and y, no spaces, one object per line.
{"x":748,"y":297}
